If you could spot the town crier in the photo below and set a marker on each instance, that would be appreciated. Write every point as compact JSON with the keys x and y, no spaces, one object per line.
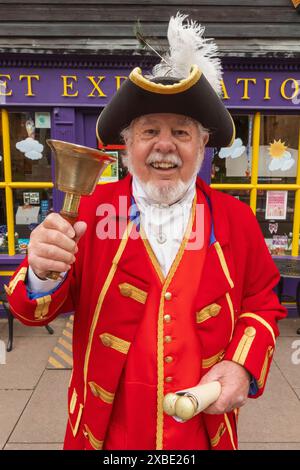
{"x":171,"y":282}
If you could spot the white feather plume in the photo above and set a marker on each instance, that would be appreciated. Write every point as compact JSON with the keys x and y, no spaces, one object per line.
{"x":187,"y":46}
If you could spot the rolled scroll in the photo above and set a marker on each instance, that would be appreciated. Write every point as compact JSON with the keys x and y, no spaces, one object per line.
{"x":186,"y":404}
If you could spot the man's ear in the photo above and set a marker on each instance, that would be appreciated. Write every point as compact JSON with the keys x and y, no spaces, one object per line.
{"x":205,"y":138}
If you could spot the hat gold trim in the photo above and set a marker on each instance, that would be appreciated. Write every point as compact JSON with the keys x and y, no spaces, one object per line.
{"x":233,"y":132}
{"x":138,"y":79}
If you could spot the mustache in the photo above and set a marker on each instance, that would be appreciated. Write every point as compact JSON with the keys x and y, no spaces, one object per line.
{"x":157,"y":157}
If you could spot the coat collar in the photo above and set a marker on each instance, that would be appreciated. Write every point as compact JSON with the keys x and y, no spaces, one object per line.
{"x":221,"y":226}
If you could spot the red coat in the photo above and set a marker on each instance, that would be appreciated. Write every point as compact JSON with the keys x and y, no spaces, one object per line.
{"x":233,"y":314}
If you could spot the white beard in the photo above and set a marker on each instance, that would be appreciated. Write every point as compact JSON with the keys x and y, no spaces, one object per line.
{"x":170,"y":192}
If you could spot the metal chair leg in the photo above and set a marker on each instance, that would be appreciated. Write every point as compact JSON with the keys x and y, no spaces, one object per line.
{"x":49,"y":329}
{"x":10,"y":329}
{"x":280,"y":289}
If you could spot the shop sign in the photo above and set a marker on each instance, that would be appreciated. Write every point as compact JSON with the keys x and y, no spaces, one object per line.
{"x":81,"y":87}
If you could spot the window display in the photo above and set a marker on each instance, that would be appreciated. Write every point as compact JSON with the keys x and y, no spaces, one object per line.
{"x":31,"y":206}
{"x":3,"y":224}
{"x":233,"y":164}
{"x":275,"y":210}
{"x":30,"y":154}
{"x":1,"y":150}
{"x":242,"y":195}
{"x":278,"y":151}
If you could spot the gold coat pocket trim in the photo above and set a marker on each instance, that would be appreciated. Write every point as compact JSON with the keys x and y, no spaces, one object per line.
{"x":216,"y":439}
{"x":42,"y":307}
{"x":244,"y":345}
{"x":264,"y":369}
{"x":98,"y":391}
{"x":75,"y":428}
{"x":73,"y":402}
{"x":260,"y":320}
{"x":21,"y":276}
{"x":211,"y":361}
{"x":95,"y":443}
{"x":128,"y":290}
{"x":207,"y":312}
{"x":111,"y":341}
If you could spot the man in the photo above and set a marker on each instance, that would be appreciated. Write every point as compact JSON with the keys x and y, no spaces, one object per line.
{"x":173,"y":292}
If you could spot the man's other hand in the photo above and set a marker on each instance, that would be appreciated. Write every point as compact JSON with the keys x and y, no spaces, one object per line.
{"x":234,"y":380}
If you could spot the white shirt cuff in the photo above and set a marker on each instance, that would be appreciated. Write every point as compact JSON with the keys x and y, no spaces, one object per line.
{"x":37,"y":285}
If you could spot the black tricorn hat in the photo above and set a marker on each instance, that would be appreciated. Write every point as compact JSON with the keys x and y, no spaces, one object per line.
{"x":192,"y":96}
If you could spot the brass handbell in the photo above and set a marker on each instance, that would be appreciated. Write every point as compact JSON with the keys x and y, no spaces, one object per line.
{"x":77,"y":171}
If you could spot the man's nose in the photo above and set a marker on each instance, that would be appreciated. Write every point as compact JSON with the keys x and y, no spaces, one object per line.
{"x":165,"y":143}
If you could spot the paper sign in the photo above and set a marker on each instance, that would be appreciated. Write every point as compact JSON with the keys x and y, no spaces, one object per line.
{"x":42,"y":120}
{"x":276,"y":205}
{"x":110,"y":173}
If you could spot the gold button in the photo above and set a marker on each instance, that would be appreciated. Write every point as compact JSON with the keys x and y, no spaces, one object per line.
{"x":167,"y":318}
{"x":126,"y":291}
{"x":168,"y":296}
{"x":250,"y":331}
{"x":168,"y":359}
{"x":168,"y":379}
{"x":106,"y":340}
{"x":168,"y":339}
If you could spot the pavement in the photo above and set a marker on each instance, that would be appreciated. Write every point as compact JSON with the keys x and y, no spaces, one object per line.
{"x":33,"y":405}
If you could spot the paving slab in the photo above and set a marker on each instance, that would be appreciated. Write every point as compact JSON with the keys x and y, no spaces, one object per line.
{"x":269,"y":446}
{"x":287,"y":358}
{"x":274,"y":417}
{"x":297,"y":391}
{"x":34,"y":446}
{"x":23,"y":330}
{"x":26,"y":362}
{"x":289,"y":326}
{"x":44,"y":419}
{"x":12,"y":404}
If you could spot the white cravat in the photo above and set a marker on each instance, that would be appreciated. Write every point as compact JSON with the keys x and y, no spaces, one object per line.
{"x":164,"y":225}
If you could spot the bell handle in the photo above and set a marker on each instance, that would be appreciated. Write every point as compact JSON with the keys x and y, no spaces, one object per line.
{"x":69,"y":212}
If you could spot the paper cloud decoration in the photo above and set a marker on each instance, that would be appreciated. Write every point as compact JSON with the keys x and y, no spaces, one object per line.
{"x":284,"y":163}
{"x":31,"y":148}
{"x":234,"y":151}
{"x":281,"y":159}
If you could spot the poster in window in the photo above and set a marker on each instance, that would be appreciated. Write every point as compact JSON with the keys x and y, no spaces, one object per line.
{"x":276,"y":205}
{"x":110,"y":174}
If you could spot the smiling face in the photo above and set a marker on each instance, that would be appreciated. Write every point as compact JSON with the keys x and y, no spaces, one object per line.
{"x":165,"y":152}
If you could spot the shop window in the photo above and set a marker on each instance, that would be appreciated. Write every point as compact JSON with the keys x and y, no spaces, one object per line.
{"x":31,"y":206}
{"x":26,"y":190}
{"x":1,"y":151}
{"x":278,"y":150}
{"x":116,"y":171}
{"x":30,"y":154}
{"x":275,"y":213}
{"x":272,"y":158}
{"x":242,"y":195}
{"x":233,"y":164}
{"x":3,"y":224}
